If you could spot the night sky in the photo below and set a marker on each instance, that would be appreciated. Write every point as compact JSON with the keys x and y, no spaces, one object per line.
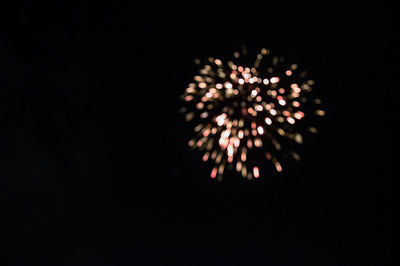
{"x":95,"y":168}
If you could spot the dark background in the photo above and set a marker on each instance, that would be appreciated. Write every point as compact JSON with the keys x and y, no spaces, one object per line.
{"x":95,"y":168}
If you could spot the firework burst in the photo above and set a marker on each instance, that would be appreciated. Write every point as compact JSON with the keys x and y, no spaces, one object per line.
{"x":243,"y":114}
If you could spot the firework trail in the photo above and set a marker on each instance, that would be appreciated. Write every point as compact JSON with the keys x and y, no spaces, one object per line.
{"x":243,"y":114}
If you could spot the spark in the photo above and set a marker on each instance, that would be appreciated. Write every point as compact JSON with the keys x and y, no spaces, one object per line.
{"x":278,"y":167}
{"x":260,"y":130}
{"x":256,"y":172}
{"x":274,"y":80}
{"x":214,"y":172}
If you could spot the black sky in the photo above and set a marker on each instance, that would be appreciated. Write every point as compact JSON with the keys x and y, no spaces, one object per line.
{"x":95,"y":168}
